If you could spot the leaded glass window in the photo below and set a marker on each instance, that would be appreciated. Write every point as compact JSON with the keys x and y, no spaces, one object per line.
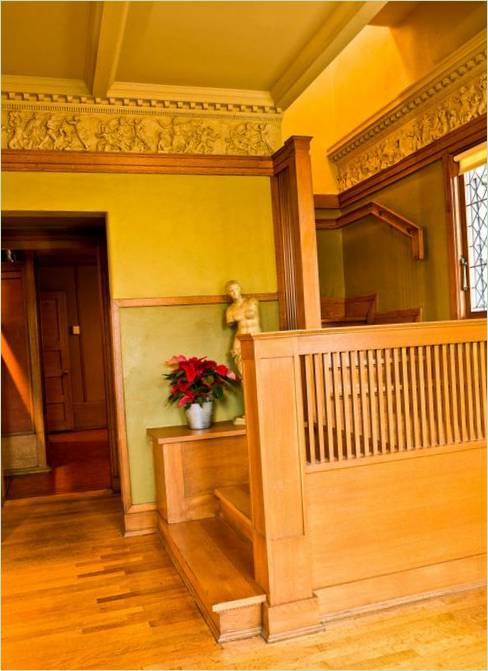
{"x":475,"y":184}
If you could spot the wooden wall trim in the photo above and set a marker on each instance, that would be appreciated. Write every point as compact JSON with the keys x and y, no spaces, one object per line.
{"x":118,"y":377}
{"x":186,"y":300}
{"x":454,"y":142}
{"x":140,"y":519}
{"x":163,"y":164}
{"x":383,"y":214}
{"x":326,"y":201}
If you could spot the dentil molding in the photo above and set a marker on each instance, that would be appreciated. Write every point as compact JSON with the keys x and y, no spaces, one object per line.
{"x":451,"y":96}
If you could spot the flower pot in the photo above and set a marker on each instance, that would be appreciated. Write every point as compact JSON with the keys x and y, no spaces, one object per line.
{"x":199,"y":416}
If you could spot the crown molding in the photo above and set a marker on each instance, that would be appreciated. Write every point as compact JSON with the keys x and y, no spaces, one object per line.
{"x":260,"y":100}
{"x":446,"y":75}
{"x":138,"y":95}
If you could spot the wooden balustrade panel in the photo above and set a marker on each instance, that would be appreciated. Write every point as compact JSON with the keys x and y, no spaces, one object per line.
{"x":368,"y":402}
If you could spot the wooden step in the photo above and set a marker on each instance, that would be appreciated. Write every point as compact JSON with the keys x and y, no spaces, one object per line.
{"x":235,"y":507}
{"x":217,"y":567}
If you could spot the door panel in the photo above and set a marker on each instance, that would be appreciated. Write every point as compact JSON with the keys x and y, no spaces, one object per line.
{"x":56,"y":361}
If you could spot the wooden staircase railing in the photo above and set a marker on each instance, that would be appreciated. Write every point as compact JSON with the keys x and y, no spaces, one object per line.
{"x":366,"y":448}
{"x":384,"y":214}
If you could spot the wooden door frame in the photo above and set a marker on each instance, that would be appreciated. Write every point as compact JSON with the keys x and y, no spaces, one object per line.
{"x":33,"y":231}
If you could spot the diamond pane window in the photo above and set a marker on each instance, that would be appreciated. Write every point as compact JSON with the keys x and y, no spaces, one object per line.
{"x":475,"y":182}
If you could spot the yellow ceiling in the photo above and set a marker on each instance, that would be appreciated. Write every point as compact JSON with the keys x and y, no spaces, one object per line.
{"x":241,"y":45}
{"x":103,"y":47}
{"x":45,"y":39}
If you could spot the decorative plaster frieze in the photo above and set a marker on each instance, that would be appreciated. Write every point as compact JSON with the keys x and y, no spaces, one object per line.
{"x":74,"y":126}
{"x":433,"y":108}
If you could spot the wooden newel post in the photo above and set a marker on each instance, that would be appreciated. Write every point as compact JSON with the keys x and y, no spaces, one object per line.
{"x":282,"y":562}
{"x":295,"y":236}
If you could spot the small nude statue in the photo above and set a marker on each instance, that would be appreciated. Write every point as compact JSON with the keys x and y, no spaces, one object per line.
{"x":245,"y":313}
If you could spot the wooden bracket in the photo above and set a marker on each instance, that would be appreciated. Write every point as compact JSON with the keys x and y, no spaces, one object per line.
{"x":384,"y":214}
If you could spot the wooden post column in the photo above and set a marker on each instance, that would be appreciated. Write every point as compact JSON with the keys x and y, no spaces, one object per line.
{"x":295,"y":236}
{"x":282,"y":561}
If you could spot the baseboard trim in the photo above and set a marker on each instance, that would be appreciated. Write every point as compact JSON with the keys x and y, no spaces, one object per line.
{"x":395,"y":589}
{"x":12,"y":472}
{"x":401,"y":601}
{"x":140,"y":519}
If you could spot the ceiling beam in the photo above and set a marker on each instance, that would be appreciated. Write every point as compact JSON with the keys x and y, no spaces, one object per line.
{"x":112,"y":22}
{"x":339,"y":29}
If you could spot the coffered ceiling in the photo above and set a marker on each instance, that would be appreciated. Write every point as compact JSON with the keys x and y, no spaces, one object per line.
{"x":266,"y":52}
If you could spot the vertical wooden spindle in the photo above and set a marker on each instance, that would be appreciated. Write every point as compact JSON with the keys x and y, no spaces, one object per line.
{"x":454,"y":392}
{"x":414,"y":395}
{"x":347,"y":384}
{"x":356,"y":403}
{"x":406,"y":400}
{"x":423,"y":405}
{"x":337,"y":404}
{"x":483,"y":384}
{"x":446,"y":392}
{"x":438,"y":393}
{"x":329,"y":411}
{"x":398,"y":399}
{"x":389,"y":400}
{"x":468,"y":351}
{"x":380,"y":370}
{"x":462,"y":391}
{"x":363,"y":372}
{"x":372,"y":401}
{"x":309,"y":376}
{"x":319,"y":395}
{"x":430,"y":396}
{"x":477,"y":394}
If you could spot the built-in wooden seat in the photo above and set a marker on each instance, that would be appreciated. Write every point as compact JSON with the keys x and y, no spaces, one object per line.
{"x":235,"y":508}
{"x":216,"y":564}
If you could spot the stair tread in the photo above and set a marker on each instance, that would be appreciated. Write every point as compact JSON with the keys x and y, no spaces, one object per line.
{"x":238,"y":496}
{"x":219,"y":561}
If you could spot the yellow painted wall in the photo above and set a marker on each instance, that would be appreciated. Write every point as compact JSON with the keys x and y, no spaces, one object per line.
{"x":376,"y":67}
{"x":168,"y":235}
{"x":379,"y":259}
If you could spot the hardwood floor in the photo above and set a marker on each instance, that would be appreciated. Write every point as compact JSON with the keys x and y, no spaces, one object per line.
{"x":77,"y":595}
{"x":79,"y":460}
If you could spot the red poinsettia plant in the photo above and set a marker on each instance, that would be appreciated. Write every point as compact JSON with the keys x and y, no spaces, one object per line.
{"x":196,"y":380}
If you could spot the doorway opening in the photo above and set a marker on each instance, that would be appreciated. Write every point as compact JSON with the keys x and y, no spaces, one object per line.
{"x":58,"y":424}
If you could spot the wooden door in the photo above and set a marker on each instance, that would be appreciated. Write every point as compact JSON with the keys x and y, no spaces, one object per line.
{"x":56,"y":361}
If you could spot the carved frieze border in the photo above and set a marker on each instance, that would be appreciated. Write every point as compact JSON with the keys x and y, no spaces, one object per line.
{"x":447,"y":102}
{"x":34,"y":124}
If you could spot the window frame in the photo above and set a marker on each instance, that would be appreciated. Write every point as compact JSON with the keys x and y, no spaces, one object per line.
{"x":457,"y":234}
{"x":463,"y":222}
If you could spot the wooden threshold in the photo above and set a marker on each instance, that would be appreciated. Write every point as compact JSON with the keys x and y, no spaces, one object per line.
{"x":216,"y":565}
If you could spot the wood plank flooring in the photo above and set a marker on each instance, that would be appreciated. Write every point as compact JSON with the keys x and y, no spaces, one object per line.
{"x":79,"y":461}
{"x":77,"y":595}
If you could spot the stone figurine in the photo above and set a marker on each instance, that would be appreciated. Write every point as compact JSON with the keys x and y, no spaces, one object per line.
{"x":243,"y":311}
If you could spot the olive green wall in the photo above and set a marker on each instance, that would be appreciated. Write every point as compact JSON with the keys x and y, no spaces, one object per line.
{"x":379,"y":259}
{"x":331,"y":263}
{"x":168,"y":235}
{"x":150,"y":336}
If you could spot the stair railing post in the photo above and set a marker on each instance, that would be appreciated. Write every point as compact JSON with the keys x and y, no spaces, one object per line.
{"x":274,"y":412}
